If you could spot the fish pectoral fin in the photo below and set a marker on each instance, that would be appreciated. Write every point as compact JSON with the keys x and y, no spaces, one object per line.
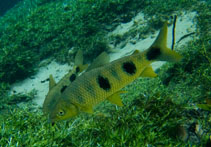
{"x":115,"y":98}
{"x":88,"y":109}
{"x":148,"y":72}
{"x":101,"y":60}
{"x":52,"y":82}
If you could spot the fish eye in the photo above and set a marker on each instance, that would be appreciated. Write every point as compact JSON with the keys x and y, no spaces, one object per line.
{"x":61,"y":113}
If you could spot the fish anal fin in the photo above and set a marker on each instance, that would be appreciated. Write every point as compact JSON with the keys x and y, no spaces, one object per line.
{"x":148,"y":72}
{"x":87,"y":109}
{"x":115,"y":98}
{"x":52,"y":82}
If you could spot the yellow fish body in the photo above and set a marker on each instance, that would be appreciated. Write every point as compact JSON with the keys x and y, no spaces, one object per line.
{"x":105,"y":82}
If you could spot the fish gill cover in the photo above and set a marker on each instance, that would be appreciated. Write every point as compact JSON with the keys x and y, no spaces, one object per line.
{"x":159,"y":111}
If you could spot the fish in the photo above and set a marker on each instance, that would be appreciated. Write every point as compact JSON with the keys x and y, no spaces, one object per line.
{"x":105,"y":81}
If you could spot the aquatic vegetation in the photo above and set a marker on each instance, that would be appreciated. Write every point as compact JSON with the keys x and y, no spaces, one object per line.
{"x":153,"y":108}
{"x":11,"y":101}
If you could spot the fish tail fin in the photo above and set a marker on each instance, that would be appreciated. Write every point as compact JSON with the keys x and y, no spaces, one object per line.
{"x":159,"y":50}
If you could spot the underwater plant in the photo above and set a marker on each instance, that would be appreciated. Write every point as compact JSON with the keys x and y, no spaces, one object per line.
{"x":153,"y":108}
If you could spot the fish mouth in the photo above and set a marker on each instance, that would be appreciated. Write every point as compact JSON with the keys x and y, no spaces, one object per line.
{"x":51,"y":122}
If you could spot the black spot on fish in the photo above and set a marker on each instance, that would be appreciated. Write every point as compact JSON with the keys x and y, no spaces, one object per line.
{"x":77,"y":69}
{"x":103,"y":83}
{"x":72,"y":77}
{"x":129,"y":67}
{"x":153,"y":53}
{"x":115,"y":74}
{"x":63,"y":88}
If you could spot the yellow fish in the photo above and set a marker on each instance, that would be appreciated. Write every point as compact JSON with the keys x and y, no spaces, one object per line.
{"x":105,"y":82}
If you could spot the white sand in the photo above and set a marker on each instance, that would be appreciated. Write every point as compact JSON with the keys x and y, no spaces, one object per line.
{"x":25,"y":86}
{"x":185,"y":25}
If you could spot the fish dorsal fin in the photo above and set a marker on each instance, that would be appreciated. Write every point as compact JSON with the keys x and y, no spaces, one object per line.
{"x":136,"y":52}
{"x":115,"y":98}
{"x":48,"y":100}
{"x":87,"y":109}
{"x":82,"y":67}
{"x":79,"y":61}
{"x":52,"y":82}
{"x":148,"y":72}
{"x":101,"y":60}
{"x":79,"y":58}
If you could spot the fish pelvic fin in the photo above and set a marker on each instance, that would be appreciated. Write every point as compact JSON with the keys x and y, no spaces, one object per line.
{"x":159,"y":51}
{"x":115,"y":98}
{"x":148,"y":72}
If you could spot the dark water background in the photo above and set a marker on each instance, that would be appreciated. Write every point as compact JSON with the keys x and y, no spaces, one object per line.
{"x":6,"y":5}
